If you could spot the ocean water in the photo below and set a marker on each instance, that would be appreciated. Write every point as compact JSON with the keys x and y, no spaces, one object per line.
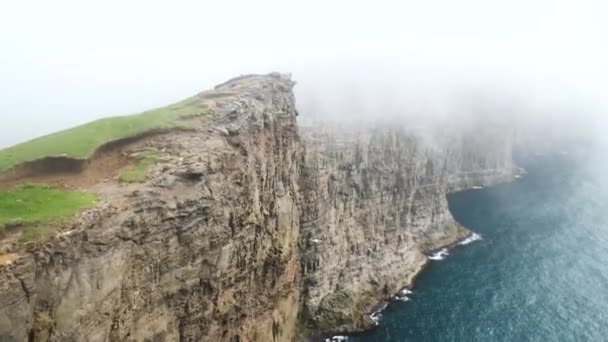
{"x":539,"y":273}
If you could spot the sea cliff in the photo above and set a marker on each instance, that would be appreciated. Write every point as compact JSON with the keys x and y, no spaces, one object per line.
{"x":250,"y":228}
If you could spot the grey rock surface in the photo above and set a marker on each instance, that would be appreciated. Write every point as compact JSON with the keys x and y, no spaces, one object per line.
{"x":373,"y":205}
{"x":247,"y":229}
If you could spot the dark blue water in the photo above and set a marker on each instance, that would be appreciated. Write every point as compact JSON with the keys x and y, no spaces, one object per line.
{"x":539,"y":274}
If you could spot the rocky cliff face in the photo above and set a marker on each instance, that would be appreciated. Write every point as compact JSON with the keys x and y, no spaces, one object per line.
{"x":245,"y":226}
{"x":206,"y":249}
{"x":373,"y":203}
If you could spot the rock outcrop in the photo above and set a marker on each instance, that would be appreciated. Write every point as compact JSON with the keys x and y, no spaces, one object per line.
{"x":245,"y":226}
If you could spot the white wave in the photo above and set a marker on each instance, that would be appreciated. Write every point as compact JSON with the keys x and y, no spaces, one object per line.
{"x":376,"y":316}
{"x":477,"y":187}
{"x":402,"y":298}
{"x":339,"y":338}
{"x":518,"y":176}
{"x":405,"y":292}
{"x":403,"y":295}
{"x":440,"y":255}
{"x":473,"y":237}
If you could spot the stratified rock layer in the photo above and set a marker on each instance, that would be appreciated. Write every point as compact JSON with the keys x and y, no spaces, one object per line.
{"x":206,"y":249}
{"x":242,"y":228}
{"x":373,"y":203}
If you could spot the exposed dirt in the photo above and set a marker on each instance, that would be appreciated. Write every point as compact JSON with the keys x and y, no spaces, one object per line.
{"x":106,"y":163}
{"x":8,"y":258}
{"x":97,"y":174}
{"x":94,"y":174}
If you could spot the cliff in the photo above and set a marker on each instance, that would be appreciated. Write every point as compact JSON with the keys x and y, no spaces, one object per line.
{"x":373,"y":205}
{"x":246,"y":229}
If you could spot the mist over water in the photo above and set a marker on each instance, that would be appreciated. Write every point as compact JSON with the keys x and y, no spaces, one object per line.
{"x":540,"y":272}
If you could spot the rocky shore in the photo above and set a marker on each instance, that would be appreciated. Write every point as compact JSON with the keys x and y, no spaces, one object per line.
{"x":376,"y":311}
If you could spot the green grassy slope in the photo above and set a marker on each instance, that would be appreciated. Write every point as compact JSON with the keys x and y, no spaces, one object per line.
{"x":80,"y":142}
{"x":37,"y":209}
{"x":30,"y":204}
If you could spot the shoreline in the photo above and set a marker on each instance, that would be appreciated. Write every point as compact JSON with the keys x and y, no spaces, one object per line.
{"x":382,"y":305}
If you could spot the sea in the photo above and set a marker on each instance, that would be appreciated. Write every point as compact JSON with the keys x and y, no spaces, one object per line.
{"x":537,"y":272}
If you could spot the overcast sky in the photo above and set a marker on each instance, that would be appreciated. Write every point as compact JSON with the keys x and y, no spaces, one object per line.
{"x":66,"y":62}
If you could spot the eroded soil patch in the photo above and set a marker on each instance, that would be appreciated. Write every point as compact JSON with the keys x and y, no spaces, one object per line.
{"x":67,"y":172}
{"x":8,"y":258}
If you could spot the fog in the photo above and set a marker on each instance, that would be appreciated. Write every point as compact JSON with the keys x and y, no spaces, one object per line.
{"x":533,"y":62}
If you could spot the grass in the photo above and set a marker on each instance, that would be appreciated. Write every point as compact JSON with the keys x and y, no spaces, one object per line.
{"x":36,"y":207}
{"x":137,"y":173}
{"x":80,"y":142}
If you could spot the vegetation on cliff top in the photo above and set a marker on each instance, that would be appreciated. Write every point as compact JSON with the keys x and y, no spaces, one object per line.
{"x":137,"y":172}
{"x":81,"y":142}
{"x":34,"y":206}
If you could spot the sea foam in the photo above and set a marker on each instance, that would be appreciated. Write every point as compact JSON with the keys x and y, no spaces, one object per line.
{"x":403,"y":295}
{"x":473,"y":237}
{"x":377,"y":315}
{"x":440,"y":255}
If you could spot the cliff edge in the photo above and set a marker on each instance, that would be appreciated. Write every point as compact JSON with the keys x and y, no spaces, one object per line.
{"x":246,"y":227}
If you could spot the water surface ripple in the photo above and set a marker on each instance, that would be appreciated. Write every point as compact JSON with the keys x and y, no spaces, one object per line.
{"x":540,"y":273}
